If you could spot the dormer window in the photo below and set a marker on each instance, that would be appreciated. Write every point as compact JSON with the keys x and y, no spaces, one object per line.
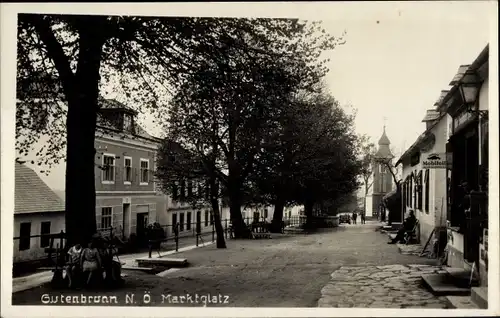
{"x":127,"y":122}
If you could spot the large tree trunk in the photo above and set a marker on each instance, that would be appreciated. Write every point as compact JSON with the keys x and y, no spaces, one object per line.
{"x":81,"y":124}
{"x":221,"y":242}
{"x":239,"y":227}
{"x":276,"y":223}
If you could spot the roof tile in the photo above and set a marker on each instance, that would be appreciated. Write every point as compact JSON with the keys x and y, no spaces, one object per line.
{"x":32,"y":194}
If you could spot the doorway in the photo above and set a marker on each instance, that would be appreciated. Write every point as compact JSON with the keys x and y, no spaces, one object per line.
{"x":126,"y":220}
{"x":142,"y":223}
{"x":198,"y":222}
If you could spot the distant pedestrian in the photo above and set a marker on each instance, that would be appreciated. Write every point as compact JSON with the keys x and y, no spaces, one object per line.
{"x":354,"y":217}
{"x":363,"y":217}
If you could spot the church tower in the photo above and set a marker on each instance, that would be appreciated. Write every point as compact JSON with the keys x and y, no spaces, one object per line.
{"x":382,"y":178}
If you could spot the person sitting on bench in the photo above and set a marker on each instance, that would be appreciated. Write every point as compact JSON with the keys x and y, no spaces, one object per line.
{"x":73,"y":265}
{"x":408,"y":225}
{"x":91,"y":261}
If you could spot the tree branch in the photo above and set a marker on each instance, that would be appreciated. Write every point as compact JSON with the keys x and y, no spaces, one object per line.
{"x":54,"y":49}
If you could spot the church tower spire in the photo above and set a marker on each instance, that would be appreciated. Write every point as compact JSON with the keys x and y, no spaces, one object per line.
{"x":384,"y":143}
{"x":382,"y":179}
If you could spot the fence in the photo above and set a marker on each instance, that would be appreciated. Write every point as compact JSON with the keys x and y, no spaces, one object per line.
{"x":196,"y":230}
{"x":51,"y":245}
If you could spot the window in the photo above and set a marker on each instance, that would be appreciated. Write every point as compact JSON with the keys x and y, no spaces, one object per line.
{"x":24,"y":234}
{"x":44,"y":229}
{"x":181,"y":225}
{"x":108,"y":166}
{"x":106,"y":218}
{"x":265,"y":213}
{"x":419,"y":191}
{"x":190,"y":189}
{"x":194,"y":188}
{"x":188,"y":221}
{"x":200,"y":189}
{"x":144,"y":171}
{"x":411,"y":191}
{"x":426,"y":202}
{"x":128,"y":170}
{"x":206,"y":217}
{"x":174,"y":219}
{"x":182,"y":195}
{"x":127,"y":122}
{"x":207,"y":191}
{"x":175,"y":191}
{"x":404,"y":196}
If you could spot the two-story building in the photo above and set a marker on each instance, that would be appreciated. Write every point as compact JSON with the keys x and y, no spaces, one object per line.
{"x":126,"y":196}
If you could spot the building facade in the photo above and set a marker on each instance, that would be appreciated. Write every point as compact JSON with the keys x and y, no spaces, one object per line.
{"x":38,"y":211}
{"x":467,"y":104}
{"x":189,"y":218}
{"x":424,"y":185}
{"x":126,"y":196}
{"x":266,"y":213}
{"x":445,"y":174}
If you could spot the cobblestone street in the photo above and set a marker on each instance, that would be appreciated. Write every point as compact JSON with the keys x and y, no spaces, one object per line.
{"x":290,"y":271}
{"x":389,"y":286}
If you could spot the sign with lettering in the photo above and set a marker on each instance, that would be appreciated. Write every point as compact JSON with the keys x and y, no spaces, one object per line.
{"x":435,"y":161}
{"x":461,"y":119}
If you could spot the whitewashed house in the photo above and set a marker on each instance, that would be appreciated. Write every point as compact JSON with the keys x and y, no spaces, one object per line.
{"x":424,"y":181}
{"x":38,"y":211}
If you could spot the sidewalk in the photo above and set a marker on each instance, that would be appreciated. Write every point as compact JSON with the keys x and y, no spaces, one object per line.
{"x":38,"y":279}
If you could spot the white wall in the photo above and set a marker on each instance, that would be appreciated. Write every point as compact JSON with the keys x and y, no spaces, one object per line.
{"x":35,"y":251}
{"x":369,"y":202}
{"x":436,"y":214}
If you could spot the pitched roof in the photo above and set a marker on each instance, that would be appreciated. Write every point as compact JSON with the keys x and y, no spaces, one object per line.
{"x":32,"y":194}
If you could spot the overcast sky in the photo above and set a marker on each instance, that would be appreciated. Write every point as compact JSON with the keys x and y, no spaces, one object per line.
{"x":396,"y":60}
{"x":396,"y":67}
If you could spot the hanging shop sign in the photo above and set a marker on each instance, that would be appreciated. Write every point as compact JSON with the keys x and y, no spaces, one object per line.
{"x":435,"y":161}
{"x":462,"y":119}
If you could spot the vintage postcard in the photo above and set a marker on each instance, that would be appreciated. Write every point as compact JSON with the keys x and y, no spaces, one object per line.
{"x":249,"y":159}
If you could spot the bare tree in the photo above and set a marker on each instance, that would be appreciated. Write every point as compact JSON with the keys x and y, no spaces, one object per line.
{"x":368,"y":151}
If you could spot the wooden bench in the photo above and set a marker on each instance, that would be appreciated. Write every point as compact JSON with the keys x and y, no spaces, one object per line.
{"x":261,"y":235}
{"x":260,"y":230}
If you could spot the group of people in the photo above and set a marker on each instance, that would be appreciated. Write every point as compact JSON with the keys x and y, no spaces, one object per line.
{"x":92,"y":264}
{"x":354,"y":217}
